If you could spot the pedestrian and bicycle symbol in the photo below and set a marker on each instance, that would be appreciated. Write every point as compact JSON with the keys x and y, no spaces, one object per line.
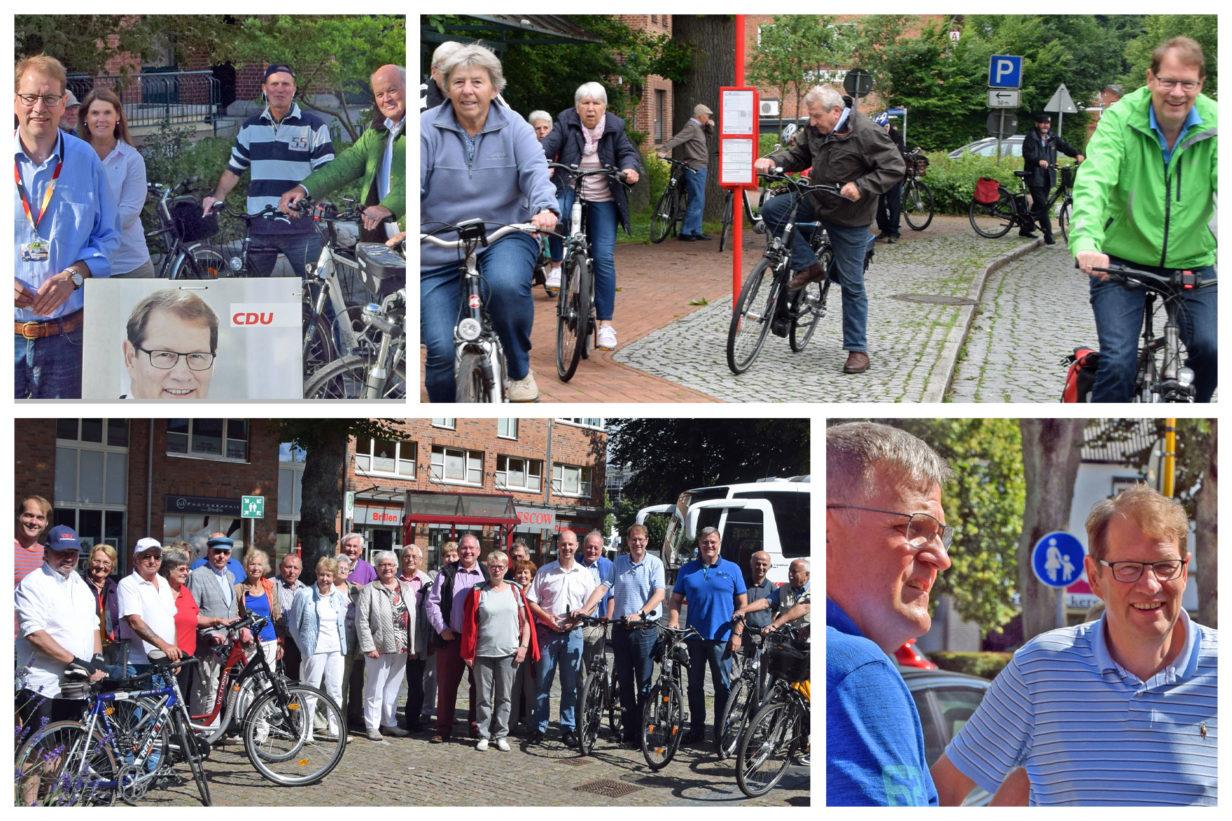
{"x":1057,"y":559}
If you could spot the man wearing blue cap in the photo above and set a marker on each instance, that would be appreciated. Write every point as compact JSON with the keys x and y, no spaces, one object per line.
{"x":57,"y":628}
{"x":213,"y":586}
{"x":280,"y":147}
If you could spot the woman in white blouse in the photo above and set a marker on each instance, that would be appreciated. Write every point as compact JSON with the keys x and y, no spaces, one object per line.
{"x":317,"y":621}
{"x":103,"y":126}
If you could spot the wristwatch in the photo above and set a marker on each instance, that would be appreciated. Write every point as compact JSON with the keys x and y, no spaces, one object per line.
{"x":77,"y":279}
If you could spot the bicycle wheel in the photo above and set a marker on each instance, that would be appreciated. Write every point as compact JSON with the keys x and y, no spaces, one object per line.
{"x":735,"y":716}
{"x":318,"y":342}
{"x":662,"y":724}
{"x":50,"y":771}
{"x":281,"y":742}
{"x":347,"y":378}
{"x":726,"y":223}
{"x":751,"y":319}
{"x":808,"y":306}
{"x":589,"y":712}
{"x":917,"y":205}
{"x":570,"y":319}
{"x":765,"y":748}
{"x":993,"y":220}
{"x":1063,"y":218}
{"x":187,"y":744}
{"x":664,"y":215}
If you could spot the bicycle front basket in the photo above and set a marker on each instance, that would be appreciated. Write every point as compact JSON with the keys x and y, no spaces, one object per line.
{"x":189,"y":224}
{"x":789,"y":662}
{"x":382,"y":269}
{"x":919,"y":163}
{"x":987,"y":191}
{"x":1068,"y":173}
{"x":346,"y":234}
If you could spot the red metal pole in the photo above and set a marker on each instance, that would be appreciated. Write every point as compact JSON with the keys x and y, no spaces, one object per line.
{"x":738,"y":207}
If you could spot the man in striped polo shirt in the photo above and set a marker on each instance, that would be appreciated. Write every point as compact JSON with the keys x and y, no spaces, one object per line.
{"x":1116,"y":711}
{"x":280,"y":146}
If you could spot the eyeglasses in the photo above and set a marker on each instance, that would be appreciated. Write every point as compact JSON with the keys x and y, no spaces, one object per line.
{"x":49,"y":100}
{"x":922,"y":529}
{"x":145,"y":557}
{"x":1130,"y":572}
{"x":1169,"y":83}
{"x":166,"y":360}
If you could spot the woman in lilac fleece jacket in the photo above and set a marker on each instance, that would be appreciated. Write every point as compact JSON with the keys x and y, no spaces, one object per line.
{"x":480,"y":160}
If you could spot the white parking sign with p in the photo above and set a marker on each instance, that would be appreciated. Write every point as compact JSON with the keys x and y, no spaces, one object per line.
{"x":1004,"y":71}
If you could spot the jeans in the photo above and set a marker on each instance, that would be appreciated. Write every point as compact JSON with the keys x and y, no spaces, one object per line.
{"x":506,"y":268}
{"x":48,"y":368}
{"x":1118,"y":321}
{"x":633,"y":652}
{"x":850,"y":246}
{"x":695,"y":181}
{"x":601,"y":231}
{"x":300,"y":250}
{"x":889,"y":209}
{"x":702,"y":653}
{"x":565,"y":650}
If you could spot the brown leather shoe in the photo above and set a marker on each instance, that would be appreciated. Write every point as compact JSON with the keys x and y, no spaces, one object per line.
{"x":803,"y":277}
{"x":857,"y":362}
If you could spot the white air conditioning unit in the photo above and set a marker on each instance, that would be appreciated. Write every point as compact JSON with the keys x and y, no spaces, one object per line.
{"x":769,"y":108}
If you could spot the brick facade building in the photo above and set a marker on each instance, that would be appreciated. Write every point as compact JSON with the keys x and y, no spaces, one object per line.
{"x":653,"y":116}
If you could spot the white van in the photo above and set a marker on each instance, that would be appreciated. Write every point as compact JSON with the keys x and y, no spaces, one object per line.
{"x":769,"y":514}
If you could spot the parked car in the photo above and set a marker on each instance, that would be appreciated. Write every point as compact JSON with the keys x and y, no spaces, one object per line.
{"x":1010,"y":147}
{"x":911,"y":656}
{"x":945,"y":701}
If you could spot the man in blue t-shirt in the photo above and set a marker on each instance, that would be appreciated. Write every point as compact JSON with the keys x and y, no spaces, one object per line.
{"x":886,"y":543}
{"x":714,"y":588}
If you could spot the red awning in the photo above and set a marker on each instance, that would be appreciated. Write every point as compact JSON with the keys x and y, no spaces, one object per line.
{"x":475,"y":509}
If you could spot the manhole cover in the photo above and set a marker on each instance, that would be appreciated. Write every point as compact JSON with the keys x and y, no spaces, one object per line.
{"x":934,"y":299}
{"x":607,"y":787}
{"x":577,"y":761}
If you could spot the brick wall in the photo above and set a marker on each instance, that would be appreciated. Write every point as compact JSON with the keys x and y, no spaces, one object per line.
{"x":646,"y":115}
{"x":34,"y":458}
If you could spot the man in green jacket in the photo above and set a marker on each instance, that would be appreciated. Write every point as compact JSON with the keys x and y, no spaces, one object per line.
{"x":378,"y":157}
{"x":1146,"y":197}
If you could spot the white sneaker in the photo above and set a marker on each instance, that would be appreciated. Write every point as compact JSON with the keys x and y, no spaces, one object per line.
{"x":481,"y":744}
{"x":502,"y":745}
{"x":552,"y":281}
{"x":524,"y":389}
{"x":607,"y":338}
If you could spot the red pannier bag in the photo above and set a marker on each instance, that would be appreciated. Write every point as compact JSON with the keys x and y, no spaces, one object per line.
{"x":987,"y":190}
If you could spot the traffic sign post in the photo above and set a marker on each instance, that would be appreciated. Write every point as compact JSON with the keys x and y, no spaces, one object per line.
{"x":738,"y":137}
{"x":1062,"y":103}
{"x":858,"y":83}
{"x":1004,"y":71}
{"x":252,"y":508}
{"x":1057,"y":562}
{"x":1003,"y":98}
{"x":1004,"y":80}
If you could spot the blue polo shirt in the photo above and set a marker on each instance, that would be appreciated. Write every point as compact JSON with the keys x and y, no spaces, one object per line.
{"x":1192,"y":120}
{"x":1089,"y":732}
{"x":874,"y":744}
{"x":761,"y":618}
{"x":711,"y":592}
{"x":634,"y":583}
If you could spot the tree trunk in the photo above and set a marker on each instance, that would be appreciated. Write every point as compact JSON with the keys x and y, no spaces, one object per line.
{"x":712,"y":39}
{"x":1205,"y":534}
{"x":1051,"y":453}
{"x":324,"y":469}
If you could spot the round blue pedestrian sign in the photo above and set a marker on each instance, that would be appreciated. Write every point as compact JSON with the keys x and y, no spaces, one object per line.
{"x":1057,"y":559}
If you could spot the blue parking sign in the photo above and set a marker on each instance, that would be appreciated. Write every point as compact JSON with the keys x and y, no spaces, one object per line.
{"x":1057,"y":559}
{"x":1004,"y":71}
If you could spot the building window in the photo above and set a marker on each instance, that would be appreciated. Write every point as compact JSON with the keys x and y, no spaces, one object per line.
{"x":457,"y":467}
{"x":223,"y":439}
{"x":568,"y":480}
{"x":584,"y":422}
{"x":91,"y":479}
{"x":513,"y":473}
{"x":448,"y":424}
{"x":507,"y":428}
{"x":382,"y":457}
{"x":660,"y":103}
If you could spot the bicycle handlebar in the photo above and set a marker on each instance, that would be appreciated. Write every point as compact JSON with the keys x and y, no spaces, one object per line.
{"x":524,"y":227}
{"x":799,"y":183}
{"x":1174,"y":280}
{"x":606,"y":171}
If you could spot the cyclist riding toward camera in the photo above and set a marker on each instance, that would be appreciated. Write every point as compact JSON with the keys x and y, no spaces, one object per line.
{"x":1146,"y":198}
{"x":842,"y":147}
{"x":591,"y":138}
{"x":1039,"y":160}
{"x":480,"y":160}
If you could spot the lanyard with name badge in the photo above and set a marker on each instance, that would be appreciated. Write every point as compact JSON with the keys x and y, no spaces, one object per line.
{"x":37,"y":249}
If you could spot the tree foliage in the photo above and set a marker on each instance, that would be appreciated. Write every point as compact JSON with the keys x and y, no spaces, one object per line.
{"x":666,"y":456}
{"x":789,"y":52}
{"x":1157,"y":29}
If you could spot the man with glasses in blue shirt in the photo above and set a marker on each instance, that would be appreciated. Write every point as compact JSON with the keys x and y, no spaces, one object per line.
{"x":638,"y":586}
{"x":1121,"y":710}
{"x":886,"y":543}
{"x":65,"y":229}
{"x":172,"y":339}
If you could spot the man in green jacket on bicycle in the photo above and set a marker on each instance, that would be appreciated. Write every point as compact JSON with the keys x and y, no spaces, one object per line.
{"x":378,"y":157}
{"x":1146,"y":198}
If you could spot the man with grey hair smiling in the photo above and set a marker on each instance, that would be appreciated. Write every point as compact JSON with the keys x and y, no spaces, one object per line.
{"x":843,"y":148}
{"x":886,"y":543}
{"x":430,"y":93}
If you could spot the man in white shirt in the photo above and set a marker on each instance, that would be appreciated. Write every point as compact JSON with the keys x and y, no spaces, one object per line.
{"x":57,"y":628}
{"x":147,"y":608}
{"x":561,"y":587}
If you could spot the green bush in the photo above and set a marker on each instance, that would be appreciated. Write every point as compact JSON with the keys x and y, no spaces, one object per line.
{"x":984,"y":665}
{"x":953,"y":181}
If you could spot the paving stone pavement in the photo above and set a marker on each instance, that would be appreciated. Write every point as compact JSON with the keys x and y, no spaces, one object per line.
{"x":1034,"y":312}
{"x":907,"y":338}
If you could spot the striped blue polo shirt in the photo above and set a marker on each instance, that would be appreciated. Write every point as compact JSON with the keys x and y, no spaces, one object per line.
{"x":1089,"y":732}
{"x":279,"y":155}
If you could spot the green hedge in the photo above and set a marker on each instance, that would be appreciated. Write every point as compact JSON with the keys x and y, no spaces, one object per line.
{"x":984,"y":665}
{"x":953,"y":181}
